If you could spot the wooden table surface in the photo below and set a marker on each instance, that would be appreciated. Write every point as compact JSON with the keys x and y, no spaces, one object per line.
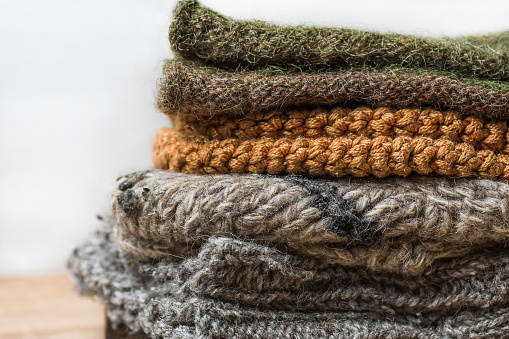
{"x":47,"y":307}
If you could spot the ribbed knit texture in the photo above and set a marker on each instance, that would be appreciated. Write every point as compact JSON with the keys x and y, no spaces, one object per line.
{"x":199,"y":33}
{"x":391,"y":225}
{"x":209,"y":92}
{"x":240,"y":289}
{"x":360,"y":121}
{"x":361,"y":156}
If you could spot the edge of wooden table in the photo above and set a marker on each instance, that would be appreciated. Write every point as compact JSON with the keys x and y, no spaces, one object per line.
{"x":47,"y":307}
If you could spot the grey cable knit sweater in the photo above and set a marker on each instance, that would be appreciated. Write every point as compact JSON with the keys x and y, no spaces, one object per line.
{"x":387,"y":225}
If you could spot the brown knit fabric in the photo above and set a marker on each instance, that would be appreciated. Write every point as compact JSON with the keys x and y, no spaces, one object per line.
{"x":196,"y":91}
{"x":361,"y":156}
{"x":121,"y":333}
{"x":361,"y":121}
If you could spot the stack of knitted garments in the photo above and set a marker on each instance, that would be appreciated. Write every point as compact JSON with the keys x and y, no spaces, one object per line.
{"x":322,"y":183}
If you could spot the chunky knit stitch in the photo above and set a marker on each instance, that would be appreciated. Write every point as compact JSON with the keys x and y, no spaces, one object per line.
{"x":208,"y":92}
{"x":343,"y":121}
{"x":361,"y":156}
{"x":192,"y":298}
{"x":198,"y":33}
{"x":390,"y":225}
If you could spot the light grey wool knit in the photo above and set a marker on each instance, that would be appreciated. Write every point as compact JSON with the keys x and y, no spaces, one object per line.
{"x":387,"y":225}
{"x":239,"y":289}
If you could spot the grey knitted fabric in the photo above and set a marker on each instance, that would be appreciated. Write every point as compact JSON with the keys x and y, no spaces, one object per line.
{"x":387,"y":225}
{"x":238,"y":289}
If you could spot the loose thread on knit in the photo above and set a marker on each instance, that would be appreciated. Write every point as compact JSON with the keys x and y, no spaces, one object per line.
{"x":344,"y":219}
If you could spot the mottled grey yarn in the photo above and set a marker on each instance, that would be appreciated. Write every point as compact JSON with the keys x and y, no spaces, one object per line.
{"x":388,"y":225}
{"x":239,"y":289}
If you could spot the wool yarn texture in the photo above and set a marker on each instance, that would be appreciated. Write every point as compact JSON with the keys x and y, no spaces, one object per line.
{"x":233,"y":288}
{"x":391,"y":225}
{"x":270,"y":67}
{"x":361,"y":156}
{"x":206,"y":91}
{"x":352,"y":122}
{"x":199,"y":33}
{"x":498,"y":41}
{"x":277,"y":207}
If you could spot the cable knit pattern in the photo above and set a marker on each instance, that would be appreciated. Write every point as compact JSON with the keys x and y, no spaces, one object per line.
{"x":360,"y":157}
{"x":206,"y":92}
{"x":361,"y":121}
{"x":386,"y":225}
{"x":191,"y":298}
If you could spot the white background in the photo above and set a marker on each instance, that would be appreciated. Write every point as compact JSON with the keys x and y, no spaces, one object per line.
{"x":77,"y":84}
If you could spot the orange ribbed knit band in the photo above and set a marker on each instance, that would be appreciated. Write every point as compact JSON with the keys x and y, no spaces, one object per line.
{"x":360,"y":156}
{"x":361,"y":121}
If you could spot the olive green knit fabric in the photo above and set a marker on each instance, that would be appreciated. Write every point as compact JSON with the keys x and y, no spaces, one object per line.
{"x":201,"y":34}
{"x":239,"y":67}
{"x":498,"y":41}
